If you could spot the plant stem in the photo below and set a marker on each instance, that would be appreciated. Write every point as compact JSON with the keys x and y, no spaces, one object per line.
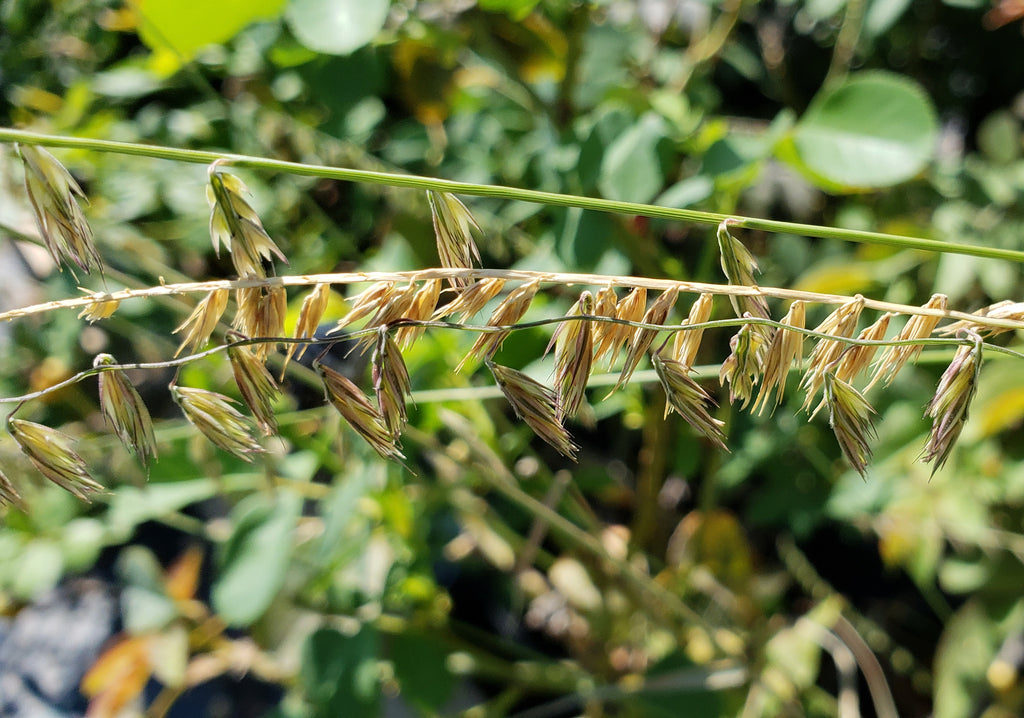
{"x":509,"y":193}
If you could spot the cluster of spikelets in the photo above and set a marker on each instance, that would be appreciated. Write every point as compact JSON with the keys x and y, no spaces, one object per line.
{"x":600,"y":325}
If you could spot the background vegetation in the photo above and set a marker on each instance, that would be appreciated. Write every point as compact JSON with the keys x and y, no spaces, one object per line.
{"x":658,"y":574}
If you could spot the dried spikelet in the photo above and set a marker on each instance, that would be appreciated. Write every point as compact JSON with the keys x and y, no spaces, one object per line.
{"x":605,"y":305}
{"x":849,"y":414}
{"x":630,"y":309}
{"x":739,"y":267}
{"x":215,"y":417}
{"x":366,"y":303}
{"x":102,"y":307}
{"x":510,"y":311}
{"x":394,"y":307}
{"x":125,"y":411}
{"x":917,"y":327}
{"x":422,"y":308}
{"x":53,"y":454}
{"x":687,"y":398}
{"x":1006,"y":309}
{"x":574,"y":356}
{"x":535,"y":404}
{"x":203,"y":320}
{"x":261,"y":313}
{"x":642,"y":338}
{"x":360,"y":414}
{"x":9,"y":494}
{"x":390,"y":383}
{"x":742,"y":368}
{"x":471,"y":299}
{"x":52,"y":191}
{"x":310,"y":314}
{"x":840,"y":323}
{"x":453,"y":225}
{"x":256,"y":385}
{"x":857,"y":358}
{"x":948,"y":408}
{"x":687,"y":342}
{"x":784,"y":350}
{"x":235,"y":224}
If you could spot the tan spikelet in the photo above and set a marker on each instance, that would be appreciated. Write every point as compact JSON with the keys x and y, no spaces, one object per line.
{"x":642,"y":339}
{"x":103,"y":307}
{"x":261,"y":313}
{"x":742,"y":368}
{"x":423,"y":306}
{"x":605,"y":305}
{"x":740,"y":267}
{"x":536,"y":405}
{"x":687,"y":398}
{"x":395,"y":306}
{"x":687,"y":342}
{"x":510,"y":311}
{"x":310,"y":314}
{"x":471,"y":299}
{"x":360,"y":414}
{"x":857,"y":358}
{"x":849,"y":414}
{"x":630,"y":309}
{"x":391,"y":384}
{"x":124,"y":410}
{"x":216,"y":418}
{"x":574,"y":356}
{"x":365,"y":303}
{"x":1006,"y":309}
{"x":203,"y":320}
{"x":840,"y":323}
{"x":917,"y":327}
{"x":948,"y":408}
{"x":453,"y":227}
{"x":52,"y":453}
{"x":784,"y":350}
{"x":235,"y":225}
{"x":256,"y":385}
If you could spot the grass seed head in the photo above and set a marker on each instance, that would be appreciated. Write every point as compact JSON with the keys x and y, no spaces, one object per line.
{"x":235,"y":225}
{"x":365,"y":303}
{"x":453,"y":225}
{"x":9,"y":494}
{"x":217,"y":419}
{"x":630,"y":309}
{"x":918,"y":326}
{"x":124,"y":410}
{"x":574,"y":356}
{"x":53,"y":454}
{"x":1006,"y":309}
{"x":605,"y":305}
{"x":510,"y":311}
{"x":840,"y":323}
{"x":423,"y":306}
{"x":687,"y":342}
{"x":855,"y":359}
{"x":687,"y":398}
{"x":784,"y":350}
{"x":849,"y":414}
{"x":948,"y":408}
{"x":740,"y":267}
{"x":310,"y":313}
{"x":256,"y":385}
{"x":54,"y":194}
{"x":742,"y":368}
{"x":642,"y":339}
{"x":102,"y":306}
{"x":390,"y":383}
{"x":471,"y":299}
{"x":261,"y":313}
{"x":360,"y":414}
{"x":535,"y":404}
{"x":203,"y":320}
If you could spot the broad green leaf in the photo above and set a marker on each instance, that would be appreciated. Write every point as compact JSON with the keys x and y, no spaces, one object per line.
{"x":874,"y":130}
{"x":631,"y":168}
{"x":145,"y":604}
{"x":185,"y":26}
{"x":336,"y":27}
{"x":256,"y":557}
{"x":339,"y":672}
{"x":131,"y":506}
{"x":421,"y":670}
{"x":39,"y":568}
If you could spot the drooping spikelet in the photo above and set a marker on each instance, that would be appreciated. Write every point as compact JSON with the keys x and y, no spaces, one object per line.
{"x":948,"y":408}
{"x":310,"y":314}
{"x":453,"y":225}
{"x":390,"y":383}
{"x":256,"y":385}
{"x":366,"y":303}
{"x":124,"y":410}
{"x":216,"y":419}
{"x":9,"y":495}
{"x":642,"y":338}
{"x":739,"y":267}
{"x":849,"y":414}
{"x":840,"y":323}
{"x":1006,"y":309}
{"x":235,"y":224}
{"x":742,"y":368}
{"x":471,"y":299}
{"x":422,"y":308}
{"x":261,"y":313}
{"x":52,"y":453}
{"x":360,"y":414}
{"x":917,"y":327}
{"x":574,"y":356}
{"x":687,"y":342}
{"x":687,"y":398}
{"x":784,"y":350}
{"x":535,"y":404}
{"x":605,"y":305}
{"x":54,"y":194}
{"x":510,"y":311}
{"x":203,"y":320}
{"x":856,"y":359}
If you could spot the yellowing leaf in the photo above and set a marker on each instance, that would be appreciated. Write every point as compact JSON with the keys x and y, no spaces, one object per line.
{"x":185,"y":26}
{"x":117,"y":677}
{"x":182,"y":577}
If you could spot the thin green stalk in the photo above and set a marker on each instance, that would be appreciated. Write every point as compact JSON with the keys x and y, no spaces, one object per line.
{"x":509,"y":193}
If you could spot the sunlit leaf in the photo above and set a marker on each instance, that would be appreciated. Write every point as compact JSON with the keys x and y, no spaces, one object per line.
{"x":336,"y":27}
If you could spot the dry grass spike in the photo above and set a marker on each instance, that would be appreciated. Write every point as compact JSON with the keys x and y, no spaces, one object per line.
{"x":642,"y":338}
{"x":422,"y":308}
{"x":217,"y":419}
{"x":256,"y":385}
{"x":360,"y":414}
{"x":261,"y":313}
{"x":52,"y":453}
{"x":840,"y":323}
{"x":510,"y":311}
{"x":535,"y":404}
{"x":124,"y":410}
{"x":453,"y":227}
{"x":9,"y":495}
{"x":948,"y":408}
{"x":574,"y":356}
{"x":310,"y":314}
{"x":687,"y":342}
{"x":471,"y":299}
{"x":784,"y":351}
{"x":687,"y":398}
{"x":390,"y":383}
{"x":203,"y":320}
{"x":742,"y":368}
{"x":850,"y":416}
{"x":919,"y":326}
{"x":740,"y":267}
{"x":235,"y":224}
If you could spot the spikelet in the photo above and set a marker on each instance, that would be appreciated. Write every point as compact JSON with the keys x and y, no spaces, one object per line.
{"x":510,"y":311}
{"x":52,"y":192}
{"x":421,"y":309}
{"x":360,"y":414}
{"x":739,"y":267}
{"x":857,"y":358}
{"x":687,"y":398}
{"x":574,"y":356}
{"x":53,"y":454}
{"x":216,"y":419}
{"x":366,"y":303}
{"x":917,"y":327}
{"x":849,"y":414}
{"x":256,"y":385}
{"x":840,"y":323}
{"x":102,"y":307}
{"x":784,"y":350}
{"x":453,"y":225}
{"x":948,"y":408}
{"x":390,"y":383}
{"x":742,"y":368}
{"x":310,"y":314}
{"x":605,"y":305}
{"x":471,"y":299}
{"x":535,"y":404}
{"x":687,"y":342}
{"x":1006,"y":309}
{"x":235,"y":224}
{"x":630,"y":309}
{"x":642,"y":338}
{"x":394,"y":306}
{"x":124,"y":410}
{"x":261,"y":313}
{"x":9,"y":495}
{"x":203,"y":320}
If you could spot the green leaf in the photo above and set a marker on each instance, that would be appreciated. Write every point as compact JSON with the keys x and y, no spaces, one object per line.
{"x":145,"y":604}
{"x":256,"y":557}
{"x":131,"y":506}
{"x":336,"y":27}
{"x":338,"y":672}
{"x":874,"y":130}
{"x":516,"y":9}
{"x":965,"y":650}
{"x":39,"y":568}
{"x":185,"y":26}
{"x":420,"y":666}
{"x":631,"y":168}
